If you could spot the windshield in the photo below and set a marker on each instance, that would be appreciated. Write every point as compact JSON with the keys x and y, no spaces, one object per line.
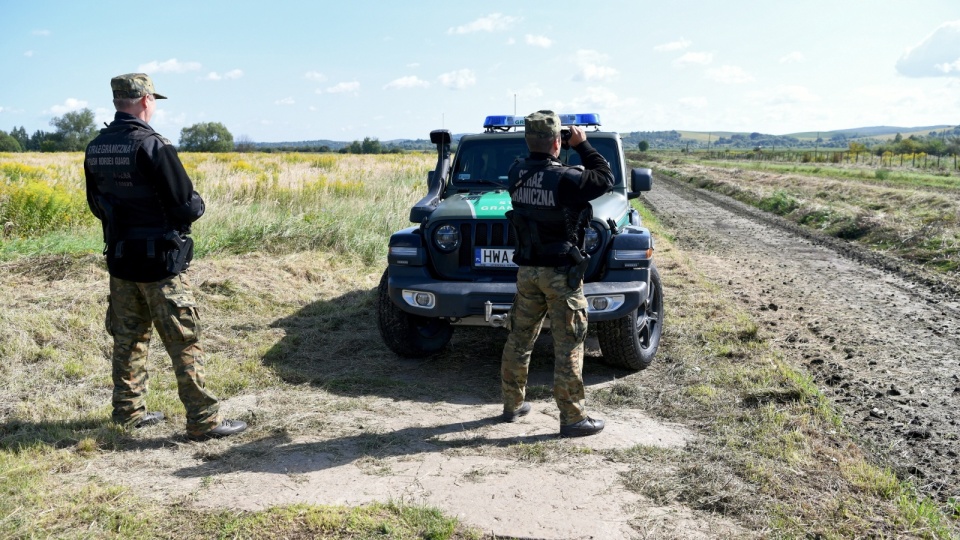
{"x":487,"y":161}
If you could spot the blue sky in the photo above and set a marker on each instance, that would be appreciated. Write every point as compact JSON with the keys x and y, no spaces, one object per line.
{"x":290,"y":71}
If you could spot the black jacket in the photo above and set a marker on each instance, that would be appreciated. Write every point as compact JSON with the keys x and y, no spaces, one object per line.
{"x":137,"y":174}
{"x":544,"y":190}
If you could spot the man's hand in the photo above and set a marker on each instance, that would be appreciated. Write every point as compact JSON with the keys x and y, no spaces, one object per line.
{"x":577,"y":136}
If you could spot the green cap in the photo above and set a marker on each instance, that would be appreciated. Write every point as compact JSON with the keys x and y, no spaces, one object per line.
{"x":133,"y":85}
{"x":542,"y":124}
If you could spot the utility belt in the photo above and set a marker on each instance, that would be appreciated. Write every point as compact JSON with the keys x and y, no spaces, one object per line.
{"x":177,"y":248}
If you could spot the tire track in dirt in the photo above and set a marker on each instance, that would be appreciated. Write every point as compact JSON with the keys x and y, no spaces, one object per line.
{"x":882,"y":343}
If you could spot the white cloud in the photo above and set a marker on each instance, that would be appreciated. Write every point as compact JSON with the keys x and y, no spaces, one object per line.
{"x":938,"y":55}
{"x":233,"y":74}
{"x":70,"y":104}
{"x":590,"y":65}
{"x":411,"y":81}
{"x":314,"y":76}
{"x":699,"y":58}
{"x":103,"y":115}
{"x":495,"y":22}
{"x":673,"y":46}
{"x":41,"y":33}
{"x":213,"y":76}
{"x":28,"y":54}
{"x":344,"y":87}
{"x":949,"y":68}
{"x":284,"y":101}
{"x":539,"y":41}
{"x":729,"y":75}
{"x":1,"y":109}
{"x":458,"y":80}
{"x":169,"y":66}
{"x":413,"y":65}
{"x":792,"y":58}
{"x":694,"y":102}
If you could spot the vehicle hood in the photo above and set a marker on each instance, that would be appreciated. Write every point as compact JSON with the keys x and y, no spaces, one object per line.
{"x":488,"y":205}
{"x":494,"y":204}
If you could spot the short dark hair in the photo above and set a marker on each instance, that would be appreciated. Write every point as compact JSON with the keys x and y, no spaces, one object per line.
{"x":537,"y":143}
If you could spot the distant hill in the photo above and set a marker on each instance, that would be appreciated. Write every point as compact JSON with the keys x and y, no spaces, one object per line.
{"x":675,"y":139}
{"x":875,"y":132}
{"x":840,"y":138}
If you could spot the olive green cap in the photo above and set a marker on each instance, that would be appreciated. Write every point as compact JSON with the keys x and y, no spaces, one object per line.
{"x":133,"y":85}
{"x":542,"y":124}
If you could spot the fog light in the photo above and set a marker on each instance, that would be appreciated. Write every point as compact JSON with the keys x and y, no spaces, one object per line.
{"x":419,"y":298}
{"x":605,"y":303}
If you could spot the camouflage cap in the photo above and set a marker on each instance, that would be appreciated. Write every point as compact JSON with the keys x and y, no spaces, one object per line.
{"x":542,"y":124}
{"x":133,"y":85}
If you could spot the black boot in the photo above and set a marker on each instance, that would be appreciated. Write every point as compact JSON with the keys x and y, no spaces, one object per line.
{"x":587,"y":426}
{"x":225,"y":429}
{"x":511,"y":416}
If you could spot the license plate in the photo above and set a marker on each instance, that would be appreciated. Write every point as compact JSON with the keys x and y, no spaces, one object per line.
{"x":493,"y":257}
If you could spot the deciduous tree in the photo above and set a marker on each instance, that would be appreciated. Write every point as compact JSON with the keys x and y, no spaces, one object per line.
{"x":206,"y":137}
{"x":74,"y":130}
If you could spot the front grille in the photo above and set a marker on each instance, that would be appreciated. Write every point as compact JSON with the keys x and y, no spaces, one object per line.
{"x":473,"y":234}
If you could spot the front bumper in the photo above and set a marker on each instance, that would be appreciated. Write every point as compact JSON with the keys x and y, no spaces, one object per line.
{"x":482,"y":302}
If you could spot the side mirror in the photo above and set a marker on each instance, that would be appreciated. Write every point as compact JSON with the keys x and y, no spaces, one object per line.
{"x":640,"y":180}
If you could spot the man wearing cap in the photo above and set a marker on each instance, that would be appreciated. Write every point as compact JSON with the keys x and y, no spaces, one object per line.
{"x":139,"y":190}
{"x":550,"y":212}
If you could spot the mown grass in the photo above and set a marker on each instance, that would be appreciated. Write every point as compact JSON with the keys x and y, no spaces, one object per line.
{"x":914,"y":216}
{"x":287,"y":315}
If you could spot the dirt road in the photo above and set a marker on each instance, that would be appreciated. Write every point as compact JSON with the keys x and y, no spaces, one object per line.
{"x":882,"y":346}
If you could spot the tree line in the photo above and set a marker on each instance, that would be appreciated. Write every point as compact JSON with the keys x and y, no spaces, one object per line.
{"x":75,"y":129}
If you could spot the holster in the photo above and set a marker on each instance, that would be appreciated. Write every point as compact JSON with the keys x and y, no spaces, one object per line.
{"x":178,"y":259}
{"x":579,"y":267}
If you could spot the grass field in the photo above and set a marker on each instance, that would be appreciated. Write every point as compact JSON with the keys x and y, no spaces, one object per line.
{"x":909,"y":214}
{"x":288,"y":260}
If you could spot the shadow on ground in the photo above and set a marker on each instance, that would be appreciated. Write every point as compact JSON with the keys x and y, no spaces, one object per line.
{"x":334,"y":344}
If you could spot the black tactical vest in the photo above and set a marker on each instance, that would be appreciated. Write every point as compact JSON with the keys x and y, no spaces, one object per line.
{"x":111,"y":159}
{"x":546,"y":230}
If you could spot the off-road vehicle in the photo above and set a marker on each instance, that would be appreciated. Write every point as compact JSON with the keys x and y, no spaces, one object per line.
{"x":454,"y":266}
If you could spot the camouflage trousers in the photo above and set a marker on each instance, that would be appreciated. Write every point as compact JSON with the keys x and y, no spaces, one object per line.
{"x":168,"y":305}
{"x":543,"y":291}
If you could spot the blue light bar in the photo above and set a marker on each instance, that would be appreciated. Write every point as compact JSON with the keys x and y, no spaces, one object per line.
{"x":503,"y":120}
{"x":511,"y":121}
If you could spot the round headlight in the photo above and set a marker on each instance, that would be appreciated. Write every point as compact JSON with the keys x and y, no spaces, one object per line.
{"x":447,"y":237}
{"x":591,"y":239}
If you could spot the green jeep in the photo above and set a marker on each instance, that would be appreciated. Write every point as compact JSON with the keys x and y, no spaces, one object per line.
{"x":454,"y":266}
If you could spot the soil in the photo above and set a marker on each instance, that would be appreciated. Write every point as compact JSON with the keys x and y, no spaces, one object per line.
{"x":880,"y":338}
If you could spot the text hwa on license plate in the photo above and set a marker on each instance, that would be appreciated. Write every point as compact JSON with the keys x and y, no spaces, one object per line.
{"x":493,"y":257}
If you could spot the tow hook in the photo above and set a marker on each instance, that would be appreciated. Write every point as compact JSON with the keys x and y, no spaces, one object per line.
{"x":498,"y":320}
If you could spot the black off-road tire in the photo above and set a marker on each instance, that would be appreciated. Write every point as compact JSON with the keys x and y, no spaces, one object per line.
{"x":631,"y":342}
{"x":408,"y":335}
